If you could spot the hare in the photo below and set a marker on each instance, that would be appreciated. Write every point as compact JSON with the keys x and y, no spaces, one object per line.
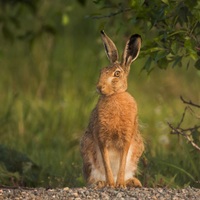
{"x":112,"y":145}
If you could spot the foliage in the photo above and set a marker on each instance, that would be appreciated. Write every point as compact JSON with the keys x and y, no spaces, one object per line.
{"x":16,"y":168}
{"x":28,"y":20}
{"x":170,"y":28}
{"x":173,"y":27}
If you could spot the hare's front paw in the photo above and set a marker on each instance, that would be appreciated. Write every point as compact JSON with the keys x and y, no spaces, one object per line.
{"x":133,"y":182}
{"x":111,"y":184}
{"x":102,"y":184}
{"x":120,"y":183}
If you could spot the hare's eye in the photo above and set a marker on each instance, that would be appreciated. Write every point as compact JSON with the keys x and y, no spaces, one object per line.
{"x":117,"y":74}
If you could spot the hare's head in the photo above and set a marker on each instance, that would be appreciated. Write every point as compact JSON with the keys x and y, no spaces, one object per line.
{"x":113,"y":79}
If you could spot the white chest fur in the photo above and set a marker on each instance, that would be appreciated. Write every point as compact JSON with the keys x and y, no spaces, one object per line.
{"x":98,"y":171}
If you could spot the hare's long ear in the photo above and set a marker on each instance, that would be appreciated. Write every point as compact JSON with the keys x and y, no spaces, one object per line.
{"x":110,"y":48}
{"x":131,"y":51}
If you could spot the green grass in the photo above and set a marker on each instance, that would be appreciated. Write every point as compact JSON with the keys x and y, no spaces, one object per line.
{"x":48,"y":92}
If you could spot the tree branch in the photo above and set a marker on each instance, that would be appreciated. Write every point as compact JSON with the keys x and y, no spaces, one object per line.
{"x":182,"y":118}
{"x":188,"y":132}
{"x":189,"y":102}
{"x":181,"y":132}
{"x":112,"y":14}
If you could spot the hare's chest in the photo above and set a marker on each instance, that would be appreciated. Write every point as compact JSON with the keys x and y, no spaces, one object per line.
{"x":115,"y":123}
{"x":116,"y":113}
{"x":110,"y":116}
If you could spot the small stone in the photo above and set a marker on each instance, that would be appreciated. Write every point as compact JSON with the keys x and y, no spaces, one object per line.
{"x":75,"y":194}
{"x":119,"y":195}
{"x":104,"y":196}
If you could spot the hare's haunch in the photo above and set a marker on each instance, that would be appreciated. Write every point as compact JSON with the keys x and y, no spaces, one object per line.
{"x":112,"y":144}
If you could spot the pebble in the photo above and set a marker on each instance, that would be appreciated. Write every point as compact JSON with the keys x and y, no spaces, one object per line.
{"x":106,"y":194}
{"x":66,"y":189}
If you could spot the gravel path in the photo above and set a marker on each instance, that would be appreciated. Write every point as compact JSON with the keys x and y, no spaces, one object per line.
{"x":104,"y":194}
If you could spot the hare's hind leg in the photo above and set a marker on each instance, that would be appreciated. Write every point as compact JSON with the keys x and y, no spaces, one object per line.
{"x":133,"y":182}
{"x":86,"y":147}
{"x":93,"y":169}
{"x":136,"y":150}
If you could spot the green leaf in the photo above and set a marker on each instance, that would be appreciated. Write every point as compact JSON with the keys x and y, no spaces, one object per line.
{"x":170,"y":57}
{"x":137,"y":3}
{"x":177,"y":32}
{"x":174,"y":47}
{"x":154,"y":49}
{"x":147,"y":65}
{"x":160,"y":55}
{"x":163,"y":63}
{"x":177,"y":61}
{"x":188,"y":44}
{"x":166,"y":2}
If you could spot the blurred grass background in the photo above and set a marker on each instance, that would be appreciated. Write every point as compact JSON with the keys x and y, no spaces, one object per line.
{"x":48,"y":91}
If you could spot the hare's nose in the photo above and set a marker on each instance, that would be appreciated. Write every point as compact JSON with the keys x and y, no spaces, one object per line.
{"x":99,"y":88}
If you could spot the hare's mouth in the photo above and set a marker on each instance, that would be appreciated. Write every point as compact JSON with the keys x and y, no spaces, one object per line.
{"x":98,"y":90}
{"x":104,"y":92}
{"x":101,"y":91}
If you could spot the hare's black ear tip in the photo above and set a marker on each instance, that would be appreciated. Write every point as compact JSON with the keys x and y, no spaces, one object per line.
{"x":136,"y":37}
{"x":102,"y":32}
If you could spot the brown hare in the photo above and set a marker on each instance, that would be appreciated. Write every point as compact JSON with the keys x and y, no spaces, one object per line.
{"x":112,"y":145}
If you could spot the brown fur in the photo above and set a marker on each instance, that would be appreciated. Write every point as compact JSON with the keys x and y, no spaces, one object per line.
{"x":112,"y":145}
